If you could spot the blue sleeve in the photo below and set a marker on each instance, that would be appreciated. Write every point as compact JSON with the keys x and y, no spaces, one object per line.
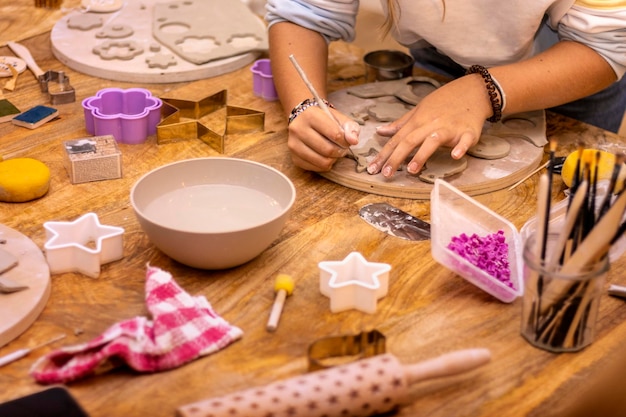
{"x":334,"y":20}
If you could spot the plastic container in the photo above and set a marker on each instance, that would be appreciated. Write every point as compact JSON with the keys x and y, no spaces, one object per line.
{"x":130,"y":115}
{"x":454,"y":213}
{"x":263,"y":80}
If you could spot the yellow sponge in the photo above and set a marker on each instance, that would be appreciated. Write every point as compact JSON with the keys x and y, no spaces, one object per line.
{"x":284,"y":282}
{"x":605,"y":162}
{"x":23,"y":179}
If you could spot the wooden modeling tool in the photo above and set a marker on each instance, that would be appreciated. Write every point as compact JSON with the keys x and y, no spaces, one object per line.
{"x":321,"y":103}
{"x":7,"y":109}
{"x":18,"y":354}
{"x":367,"y":387}
{"x":283,"y":287}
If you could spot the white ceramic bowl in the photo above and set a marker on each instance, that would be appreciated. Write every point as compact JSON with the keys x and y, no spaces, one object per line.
{"x":213,"y":213}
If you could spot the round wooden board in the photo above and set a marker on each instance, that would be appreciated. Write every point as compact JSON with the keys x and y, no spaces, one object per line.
{"x":20,"y":309}
{"x":74,"y":47}
{"x":524,"y":132}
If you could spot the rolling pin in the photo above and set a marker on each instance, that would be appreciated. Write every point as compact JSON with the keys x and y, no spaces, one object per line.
{"x":366,"y":387}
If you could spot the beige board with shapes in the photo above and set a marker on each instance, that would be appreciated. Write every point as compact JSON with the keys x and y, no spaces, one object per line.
{"x":154,"y":41}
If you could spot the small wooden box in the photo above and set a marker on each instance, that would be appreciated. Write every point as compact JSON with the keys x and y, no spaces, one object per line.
{"x":93,"y":159}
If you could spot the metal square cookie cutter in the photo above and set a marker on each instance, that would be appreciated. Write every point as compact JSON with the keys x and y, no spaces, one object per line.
{"x":63,"y":94}
{"x":173,"y":128}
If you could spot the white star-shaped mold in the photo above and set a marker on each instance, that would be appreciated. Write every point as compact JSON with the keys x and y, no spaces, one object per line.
{"x":354,"y":283}
{"x":82,"y":245}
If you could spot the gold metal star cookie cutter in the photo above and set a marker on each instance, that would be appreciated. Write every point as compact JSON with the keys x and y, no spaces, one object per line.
{"x":181,"y":120}
{"x":337,"y":350}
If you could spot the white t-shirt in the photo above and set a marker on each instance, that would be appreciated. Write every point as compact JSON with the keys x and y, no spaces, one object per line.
{"x":485,"y":32}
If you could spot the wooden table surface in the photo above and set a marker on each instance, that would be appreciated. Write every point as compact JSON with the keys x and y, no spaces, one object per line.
{"x":428,"y":310}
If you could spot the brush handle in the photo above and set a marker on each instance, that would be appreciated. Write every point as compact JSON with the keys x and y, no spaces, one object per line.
{"x":23,"y":52}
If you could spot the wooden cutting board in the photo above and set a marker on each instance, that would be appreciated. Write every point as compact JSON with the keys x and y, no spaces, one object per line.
{"x":20,"y":309}
{"x":524,"y":132}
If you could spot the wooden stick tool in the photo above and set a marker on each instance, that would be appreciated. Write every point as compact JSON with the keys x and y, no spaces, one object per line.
{"x":320,"y":103}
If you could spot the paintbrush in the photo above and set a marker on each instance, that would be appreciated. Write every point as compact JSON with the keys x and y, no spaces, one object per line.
{"x":611,"y":190}
{"x":321,"y":103}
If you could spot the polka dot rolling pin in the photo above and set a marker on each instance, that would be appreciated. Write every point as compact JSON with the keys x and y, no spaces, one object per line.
{"x":366,"y":387}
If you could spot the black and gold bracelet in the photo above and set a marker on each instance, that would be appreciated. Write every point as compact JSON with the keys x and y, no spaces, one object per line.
{"x":493,"y":90}
{"x":303,"y":105}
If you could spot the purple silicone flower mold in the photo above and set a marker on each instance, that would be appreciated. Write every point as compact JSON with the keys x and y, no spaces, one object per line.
{"x":129,"y":115}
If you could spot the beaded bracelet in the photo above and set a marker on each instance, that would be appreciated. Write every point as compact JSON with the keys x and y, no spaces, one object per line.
{"x":493,"y":89}
{"x":303,"y":105}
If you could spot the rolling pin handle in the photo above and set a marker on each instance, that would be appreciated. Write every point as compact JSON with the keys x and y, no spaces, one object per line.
{"x":447,"y":365}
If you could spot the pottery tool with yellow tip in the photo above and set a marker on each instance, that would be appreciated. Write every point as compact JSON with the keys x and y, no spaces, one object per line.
{"x":283,"y":286}
{"x":366,"y":387}
{"x":23,"y":179}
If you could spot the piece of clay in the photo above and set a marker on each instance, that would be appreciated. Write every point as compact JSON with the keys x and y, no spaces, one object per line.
{"x":387,"y":112}
{"x":115,"y":32}
{"x":7,"y":261}
{"x":84,"y":21}
{"x":231,"y":30}
{"x":155,"y":47}
{"x":378,"y":89}
{"x":124,"y":50}
{"x":416,"y":89}
{"x":490,"y":147}
{"x":442,"y":165}
{"x":161,"y":61}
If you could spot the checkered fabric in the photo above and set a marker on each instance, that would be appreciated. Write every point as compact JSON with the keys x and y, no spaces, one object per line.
{"x":182,"y":329}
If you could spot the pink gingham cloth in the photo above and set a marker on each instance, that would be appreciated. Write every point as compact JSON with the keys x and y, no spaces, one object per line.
{"x":182,"y":329}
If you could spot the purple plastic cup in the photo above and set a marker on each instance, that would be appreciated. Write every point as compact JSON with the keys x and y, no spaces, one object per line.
{"x":263,"y":81}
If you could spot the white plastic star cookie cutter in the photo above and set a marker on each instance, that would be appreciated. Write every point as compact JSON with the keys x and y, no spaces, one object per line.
{"x":354,"y":283}
{"x":82,"y":245}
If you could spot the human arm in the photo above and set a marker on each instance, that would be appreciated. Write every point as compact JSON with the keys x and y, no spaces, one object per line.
{"x":315,"y":140}
{"x":453,"y":115}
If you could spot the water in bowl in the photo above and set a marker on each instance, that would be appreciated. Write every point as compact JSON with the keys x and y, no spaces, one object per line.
{"x":213,"y":208}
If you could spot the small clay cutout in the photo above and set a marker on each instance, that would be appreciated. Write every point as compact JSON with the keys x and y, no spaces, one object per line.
{"x":124,"y":50}
{"x":115,"y":32}
{"x":84,"y":21}
{"x":490,"y":147}
{"x":442,"y":165}
{"x":387,"y":112}
{"x":161,"y":61}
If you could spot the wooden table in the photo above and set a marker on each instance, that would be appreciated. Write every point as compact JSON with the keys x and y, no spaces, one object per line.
{"x":428,"y":310}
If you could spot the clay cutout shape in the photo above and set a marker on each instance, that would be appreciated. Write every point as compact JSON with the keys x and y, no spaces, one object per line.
{"x":161,"y":61}
{"x":387,"y":112}
{"x":115,"y":32}
{"x":84,"y":21}
{"x":416,"y":89}
{"x":232,"y":29}
{"x":442,"y":165}
{"x":124,"y":50}
{"x":411,"y":90}
{"x":378,"y":89}
{"x":529,"y":126}
{"x":490,"y":147}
